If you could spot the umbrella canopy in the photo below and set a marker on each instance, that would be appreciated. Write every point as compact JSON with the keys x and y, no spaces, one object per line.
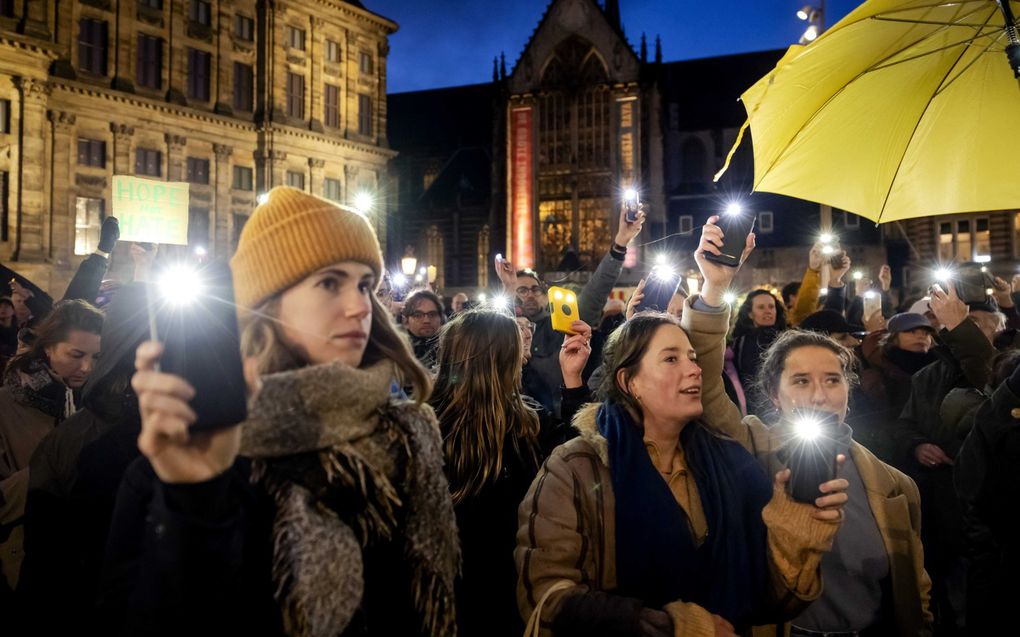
{"x":905,"y":108}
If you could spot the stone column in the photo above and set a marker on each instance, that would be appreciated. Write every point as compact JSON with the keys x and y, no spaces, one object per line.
{"x":123,"y":53}
{"x":316,"y":168}
{"x":277,"y":168}
{"x":379,"y":117}
{"x":221,"y":225}
{"x":175,"y":156}
{"x":316,"y":58}
{"x":350,"y":184}
{"x":222,"y":64}
{"x":62,"y":209}
{"x":32,"y":157}
{"x":123,"y":161}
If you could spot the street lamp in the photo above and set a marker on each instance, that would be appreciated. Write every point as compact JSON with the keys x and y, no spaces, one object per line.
{"x":815,"y":17}
{"x":408,"y":264}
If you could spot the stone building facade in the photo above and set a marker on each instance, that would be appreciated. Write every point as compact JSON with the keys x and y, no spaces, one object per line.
{"x":232,"y":96}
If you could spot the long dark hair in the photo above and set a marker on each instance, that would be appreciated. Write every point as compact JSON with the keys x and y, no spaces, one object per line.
{"x":744,"y":322}
{"x":478,"y":399}
{"x":774,"y":359}
{"x":66,"y":317}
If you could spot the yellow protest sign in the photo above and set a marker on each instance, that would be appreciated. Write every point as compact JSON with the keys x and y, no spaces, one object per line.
{"x":151,"y":211}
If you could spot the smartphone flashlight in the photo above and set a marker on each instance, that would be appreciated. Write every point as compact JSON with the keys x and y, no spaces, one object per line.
{"x":630,"y":201}
{"x":858,"y":275}
{"x":826,"y":238}
{"x":807,"y":429}
{"x":734,"y":209}
{"x":943,"y":274}
{"x":179,"y":285}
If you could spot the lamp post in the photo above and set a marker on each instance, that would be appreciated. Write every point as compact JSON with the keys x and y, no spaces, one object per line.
{"x":408,"y":264}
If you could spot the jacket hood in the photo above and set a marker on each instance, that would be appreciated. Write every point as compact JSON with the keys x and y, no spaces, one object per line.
{"x":125,"y":327}
{"x":585,"y":423}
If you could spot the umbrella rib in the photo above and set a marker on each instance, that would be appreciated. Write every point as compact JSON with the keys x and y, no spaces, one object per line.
{"x":917,"y":124}
{"x":879,"y":18}
{"x":994,"y":35}
{"x":934,"y":5}
{"x":844,"y":87}
{"x":977,"y":57}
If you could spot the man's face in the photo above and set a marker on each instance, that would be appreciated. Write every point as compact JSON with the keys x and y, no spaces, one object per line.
{"x":423,"y":320}
{"x":531,"y":295}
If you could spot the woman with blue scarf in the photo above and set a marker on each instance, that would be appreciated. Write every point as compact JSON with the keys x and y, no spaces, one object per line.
{"x":651,"y":523}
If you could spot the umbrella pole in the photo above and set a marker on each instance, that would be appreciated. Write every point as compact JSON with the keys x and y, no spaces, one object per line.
{"x":1013,"y":48}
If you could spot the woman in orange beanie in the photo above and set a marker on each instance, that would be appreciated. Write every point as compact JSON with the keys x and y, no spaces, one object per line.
{"x":326,"y":512}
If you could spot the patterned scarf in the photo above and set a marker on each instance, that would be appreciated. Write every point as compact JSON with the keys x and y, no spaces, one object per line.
{"x":342,"y":461}
{"x":38,"y":387}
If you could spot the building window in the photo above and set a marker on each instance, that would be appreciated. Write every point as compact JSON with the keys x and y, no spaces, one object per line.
{"x":331,"y":189}
{"x":198,"y":170}
{"x":686,"y":224}
{"x":964,"y":239}
{"x":88,"y":219}
{"x":152,"y":4}
{"x":364,"y":115}
{"x":296,"y":38}
{"x":851,"y":221}
{"x":243,"y":178}
{"x":244,"y":28}
{"x":295,"y":95}
{"x":244,"y":80}
{"x":332,"y":51}
{"x":92,"y":46}
{"x":148,"y":162}
{"x":198,"y":75}
{"x":91,"y":152}
{"x":150,"y":61}
{"x":296,"y":179}
{"x":365,"y":62}
{"x":7,"y":8}
{"x":428,"y":176}
{"x":331,"y":109}
{"x":5,"y":116}
{"x":765,"y":223}
{"x":201,"y":12}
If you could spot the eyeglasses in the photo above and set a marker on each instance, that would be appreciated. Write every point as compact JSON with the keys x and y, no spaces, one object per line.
{"x":534,"y":290}
{"x":423,"y":315}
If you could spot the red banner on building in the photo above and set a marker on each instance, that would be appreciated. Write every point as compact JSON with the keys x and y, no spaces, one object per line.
{"x":521,"y":187}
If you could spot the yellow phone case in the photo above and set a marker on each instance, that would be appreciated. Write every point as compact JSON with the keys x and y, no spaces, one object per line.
{"x":563,"y":303}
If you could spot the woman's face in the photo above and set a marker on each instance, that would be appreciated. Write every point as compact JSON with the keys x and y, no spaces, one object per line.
{"x":763,"y":310}
{"x":916,"y":340}
{"x":327,"y":317}
{"x":527,"y":329}
{"x":668,"y":381}
{"x":73,"y":359}
{"x":6,"y":313}
{"x":676,"y":305}
{"x":812,"y":378}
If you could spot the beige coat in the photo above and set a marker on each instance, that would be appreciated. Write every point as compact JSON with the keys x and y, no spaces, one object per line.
{"x":567,"y":537}
{"x":893,"y":496}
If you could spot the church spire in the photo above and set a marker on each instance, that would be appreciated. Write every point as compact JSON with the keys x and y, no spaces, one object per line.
{"x":644,"y":48}
{"x":658,"y":50}
{"x":495,"y":69}
{"x":613,"y":13}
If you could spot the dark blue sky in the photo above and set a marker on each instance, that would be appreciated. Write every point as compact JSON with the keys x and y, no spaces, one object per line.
{"x":452,"y":42}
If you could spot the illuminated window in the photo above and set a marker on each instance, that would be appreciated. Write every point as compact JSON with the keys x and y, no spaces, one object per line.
{"x":91,"y":152}
{"x":296,"y":38}
{"x":365,"y":62}
{"x":243,"y":178}
{"x":331,"y":106}
{"x":295,"y":95}
{"x":963,"y":239}
{"x":331,"y":189}
{"x":296,"y":179}
{"x":88,"y":218}
{"x":332,"y":51}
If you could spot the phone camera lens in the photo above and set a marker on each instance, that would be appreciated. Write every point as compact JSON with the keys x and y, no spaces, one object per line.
{"x":567,"y":310}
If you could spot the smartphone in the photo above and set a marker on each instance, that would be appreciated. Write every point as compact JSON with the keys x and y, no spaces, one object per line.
{"x":872,"y":303}
{"x":631,"y":201}
{"x":972,"y":284}
{"x":563,"y":308}
{"x":660,"y":286}
{"x":201,"y":344}
{"x":812,"y":459}
{"x":735,"y":229}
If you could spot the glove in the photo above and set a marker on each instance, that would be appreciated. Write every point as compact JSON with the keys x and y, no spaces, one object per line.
{"x":109,"y":234}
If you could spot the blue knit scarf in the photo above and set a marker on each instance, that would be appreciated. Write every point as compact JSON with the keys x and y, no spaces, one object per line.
{"x":657,"y":559}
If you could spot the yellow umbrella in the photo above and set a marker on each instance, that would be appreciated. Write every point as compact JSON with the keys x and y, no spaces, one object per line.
{"x":905,"y":108}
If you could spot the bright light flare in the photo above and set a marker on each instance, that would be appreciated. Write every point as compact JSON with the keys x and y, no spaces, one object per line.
{"x":807,"y":429}
{"x":989,"y":291}
{"x":363,"y":201}
{"x":823,"y":292}
{"x":261,"y":199}
{"x":200,"y":251}
{"x":858,"y":275}
{"x":734,"y":209}
{"x":481,"y":297}
{"x":871,"y":294}
{"x":660,"y":259}
{"x":500,"y":302}
{"x":180,"y":285}
{"x":663,"y":272}
{"x":811,"y":33}
{"x":557,"y":295}
{"x":826,"y":238}
{"x":399,"y":280}
{"x":943,"y":274}
{"x":570,"y":297}
{"x":983,"y":258}
{"x":828,"y":249}
{"x":630,"y":195}
{"x":729,"y":298}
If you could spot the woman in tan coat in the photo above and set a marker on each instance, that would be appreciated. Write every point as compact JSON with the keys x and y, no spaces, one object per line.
{"x":875,"y":583}
{"x":650,"y":523}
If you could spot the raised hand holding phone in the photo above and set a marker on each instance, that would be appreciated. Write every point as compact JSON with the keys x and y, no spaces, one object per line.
{"x":717,"y":276}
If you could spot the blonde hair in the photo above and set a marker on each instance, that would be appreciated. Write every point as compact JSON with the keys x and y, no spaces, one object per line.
{"x":262,"y":340}
{"x":478,"y":399}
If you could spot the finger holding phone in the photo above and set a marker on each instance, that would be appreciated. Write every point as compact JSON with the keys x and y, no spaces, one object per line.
{"x":574,"y":354}
{"x":177,"y":454}
{"x":947,"y":306}
{"x":635,"y":299}
{"x":632,"y":218}
{"x":717,"y":275}
{"x":506,"y":273}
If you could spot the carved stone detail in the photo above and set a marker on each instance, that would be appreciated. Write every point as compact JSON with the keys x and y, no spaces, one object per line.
{"x":222,"y":151}
{"x":241,"y":201}
{"x":62,"y":120}
{"x":295,"y":59}
{"x":89,"y":181}
{"x":199,"y":195}
{"x":175,"y":140}
{"x":277,"y":155}
{"x":122,"y":129}
{"x":317,"y":163}
{"x":32,"y":89}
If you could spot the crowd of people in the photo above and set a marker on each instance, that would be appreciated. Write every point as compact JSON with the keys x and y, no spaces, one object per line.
{"x":412,"y":467}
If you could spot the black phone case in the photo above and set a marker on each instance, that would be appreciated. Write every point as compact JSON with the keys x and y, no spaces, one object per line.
{"x":658,"y":293}
{"x":810,"y":465}
{"x":201,"y":344}
{"x":735,"y":231}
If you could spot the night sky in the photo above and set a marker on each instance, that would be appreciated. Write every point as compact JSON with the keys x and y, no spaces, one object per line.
{"x":452,"y":42}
